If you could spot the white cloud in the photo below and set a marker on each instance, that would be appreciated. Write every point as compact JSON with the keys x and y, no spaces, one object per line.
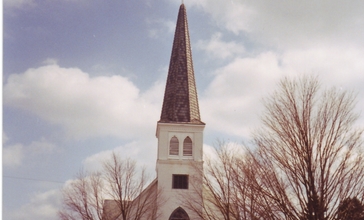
{"x":314,"y":38}
{"x":22,"y":4}
{"x":216,"y":48}
{"x":13,"y":155}
{"x":42,"y":206}
{"x":5,"y":138}
{"x":306,"y":37}
{"x":159,"y":27}
{"x":232,"y":102}
{"x":307,"y":23}
{"x":210,"y":152}
{"x":17,"y":3}
{"x":231,"y":15}
{"x":337,"y":65}
{"x":41,"y":147}
{"x":286,"y":24}
{"x":84,"y":106}
{"x":50,"y":61}
{"x":143,"y":151}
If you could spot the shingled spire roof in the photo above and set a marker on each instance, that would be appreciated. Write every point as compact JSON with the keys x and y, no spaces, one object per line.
{"x":180,"y":104}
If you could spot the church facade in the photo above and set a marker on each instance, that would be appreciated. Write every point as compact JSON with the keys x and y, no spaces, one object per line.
{"x":177,"y":191}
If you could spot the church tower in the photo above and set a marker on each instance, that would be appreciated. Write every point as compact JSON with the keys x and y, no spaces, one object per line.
{"x":179,"y":131}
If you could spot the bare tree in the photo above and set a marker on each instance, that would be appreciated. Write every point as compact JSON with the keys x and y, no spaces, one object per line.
{"x":307,"y":156}
{"x":218,"y":191}
{"x":82,"y":199}
{"x":306,"y":160}
{"x":125,"y":187}
{"x":248,"y":202}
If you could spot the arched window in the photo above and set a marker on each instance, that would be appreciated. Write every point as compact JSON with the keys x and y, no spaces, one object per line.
{"x":174,"y":146}
{"x":179,"y":214}
{"x":187,"y":147}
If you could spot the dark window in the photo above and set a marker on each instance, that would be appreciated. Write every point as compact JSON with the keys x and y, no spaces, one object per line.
{"x":187,"y":147}
{"x":179,"y":214}
{"x":173,"y":146}
{"x":180,"y":181}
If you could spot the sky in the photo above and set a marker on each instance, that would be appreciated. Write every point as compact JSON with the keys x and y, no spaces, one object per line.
{"x":84,"y":78}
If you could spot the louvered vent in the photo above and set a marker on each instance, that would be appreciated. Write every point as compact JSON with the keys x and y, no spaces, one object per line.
{"x":174,"y":146}
{"x":187,"y":147}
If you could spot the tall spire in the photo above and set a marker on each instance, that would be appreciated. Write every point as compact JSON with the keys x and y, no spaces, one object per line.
{"x":180,"y":104}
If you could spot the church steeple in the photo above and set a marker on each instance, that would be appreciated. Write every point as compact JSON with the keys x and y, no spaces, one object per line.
{"x":180,"y":132}
{"x":180,"y":104}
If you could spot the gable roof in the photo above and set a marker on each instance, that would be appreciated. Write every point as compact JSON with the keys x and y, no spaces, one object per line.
{"x":180,"y":104}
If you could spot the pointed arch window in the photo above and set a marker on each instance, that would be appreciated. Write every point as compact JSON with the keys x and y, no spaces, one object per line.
{"x":187,"y":147}
{"x":174,"y":146}
{"x":179,"y":214}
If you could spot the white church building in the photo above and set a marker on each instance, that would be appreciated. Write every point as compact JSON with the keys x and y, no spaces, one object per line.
{"x":180,"y":138}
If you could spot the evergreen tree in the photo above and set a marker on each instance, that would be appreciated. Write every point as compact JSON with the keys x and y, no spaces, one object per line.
{"x":350,"y":209}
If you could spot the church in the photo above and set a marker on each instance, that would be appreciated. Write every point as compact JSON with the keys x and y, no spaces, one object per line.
{"x":177,"y":191}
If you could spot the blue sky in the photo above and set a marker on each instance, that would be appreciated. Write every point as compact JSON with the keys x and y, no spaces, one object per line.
{"x":83,"y":78}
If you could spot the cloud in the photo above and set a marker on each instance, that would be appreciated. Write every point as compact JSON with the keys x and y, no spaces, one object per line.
{"x":218,"y":49}
{"x":17,"y":3}
{"x":322,"y":38}
{"x":84,"y":106}
{"x":50,"y":61}
{"x":230,"y":15}
{"x":14,"y":155}
{"x":144,"y":152}
{"x":158,"y":28}
{"x":232,"y":103}
{"x":211,"y":152}
{"x":23,"y":4}
{"x":5,"y":138}
{"x":308,"y":23}
{"x":42,"y":206}
{"x":337,"y":65}
{"x":289,"y":24}
{"x":41,"y":147}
